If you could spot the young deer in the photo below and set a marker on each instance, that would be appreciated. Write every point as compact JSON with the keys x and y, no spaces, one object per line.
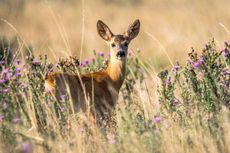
{"x":98,"y":91}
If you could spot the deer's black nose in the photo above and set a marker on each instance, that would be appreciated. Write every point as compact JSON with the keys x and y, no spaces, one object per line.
{"x":121,"y":54}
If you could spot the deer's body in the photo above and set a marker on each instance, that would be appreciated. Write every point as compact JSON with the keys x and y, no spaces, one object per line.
{"x":99,"y":90}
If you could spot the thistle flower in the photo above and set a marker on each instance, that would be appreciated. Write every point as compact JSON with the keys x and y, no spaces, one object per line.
{"x":18,"y":72}
{"x":226,"y":53}
{"x":157,"y":119}
{"x":16,"y":120}
{"x":175,"y":102}
{"x":2,"y":62}
{"x":196,"y":65}
{"x":101,"y":54}
{"x":176,"y":67}
{"x":199,"y":62}
{"x":169,"y":81}
{"x":9,"y":75}
{"x":36,"y":62}
{"x":26,"y":148}
{"x":5,"y":70}
{"x":4,"y":91}
{"x":2,"y":81}
{"x":225,"y":72}
{"x":63,"y":97}
{"x":85,"y":63}
{"x":17,"y":61}
{"x":63,"y":109}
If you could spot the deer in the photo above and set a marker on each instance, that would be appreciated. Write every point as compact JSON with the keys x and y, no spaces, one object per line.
{"x":97,"y":91}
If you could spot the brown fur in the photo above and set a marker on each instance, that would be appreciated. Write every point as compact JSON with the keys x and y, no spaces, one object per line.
{"x":98,"y":91}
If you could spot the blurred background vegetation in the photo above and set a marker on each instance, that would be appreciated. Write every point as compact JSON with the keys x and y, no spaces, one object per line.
{"x":64,"y":27}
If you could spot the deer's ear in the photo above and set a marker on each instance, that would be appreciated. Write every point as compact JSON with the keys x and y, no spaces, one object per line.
{"x":104,"y":31}
{"x":133,"y":29}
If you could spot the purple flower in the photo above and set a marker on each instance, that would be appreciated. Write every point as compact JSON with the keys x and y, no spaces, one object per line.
{"x":175,"y":102}
{"x":196,"y":65}
{"x":63,"y":109}
{"x":26,"y":148}
{"x":101,"y":54}
{"x":63,"y":97}
{"x":16,"y":120}
{"x":226,"y":53}
{"x":2,"y":81}
{"x":156,"y":119}
{"x":36,"y":62}
{"x":169,"y":81}
{"x":18,"y":69}
{"x":5,"y":71}
{"x":85,"y":63}
{"x":176,"y":67}
{"x":199,"y":62}
{"x":17,"y":74}
{"x":9,"y":75}
{"x":2,"y":62}
{"x":225,"y":72}
{"x":1,"y":118}
{"x":17,"y":61}
{"x":4,"y":91}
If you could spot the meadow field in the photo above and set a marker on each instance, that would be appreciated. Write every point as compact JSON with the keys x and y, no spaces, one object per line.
{"x":176,"y":95}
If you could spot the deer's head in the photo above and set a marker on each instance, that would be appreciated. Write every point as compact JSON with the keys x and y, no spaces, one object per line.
{"x":118,"y":43}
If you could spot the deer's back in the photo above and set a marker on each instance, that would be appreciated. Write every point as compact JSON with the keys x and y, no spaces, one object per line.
{"x":94,"y":90}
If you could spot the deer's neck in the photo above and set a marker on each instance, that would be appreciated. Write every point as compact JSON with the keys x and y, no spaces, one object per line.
{"x":116,"y":71}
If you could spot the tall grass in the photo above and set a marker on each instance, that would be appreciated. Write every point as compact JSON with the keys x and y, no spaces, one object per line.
{"x":187,"y":112}
{"x":57,"y":25}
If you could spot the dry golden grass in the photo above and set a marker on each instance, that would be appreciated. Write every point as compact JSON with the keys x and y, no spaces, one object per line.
{"x":168,"y":28}
{"x":62,"y":26}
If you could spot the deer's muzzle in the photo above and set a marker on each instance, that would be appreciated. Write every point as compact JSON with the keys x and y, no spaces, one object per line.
{"x":121,"y":54}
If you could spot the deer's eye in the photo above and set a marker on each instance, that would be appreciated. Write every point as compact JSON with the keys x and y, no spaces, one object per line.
{"x":113,"y":45}
{"x":126,"y":44}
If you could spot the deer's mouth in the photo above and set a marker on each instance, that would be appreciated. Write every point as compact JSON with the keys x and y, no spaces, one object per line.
{"x":121,"y":54}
